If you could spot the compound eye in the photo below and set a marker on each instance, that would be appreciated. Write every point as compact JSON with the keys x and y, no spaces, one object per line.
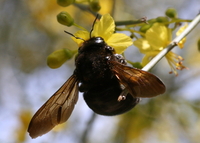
{"x":99,"y":40}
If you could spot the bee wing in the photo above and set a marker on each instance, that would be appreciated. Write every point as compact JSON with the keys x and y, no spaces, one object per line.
{"x":138,"y":82}
{"x":56,"y":110}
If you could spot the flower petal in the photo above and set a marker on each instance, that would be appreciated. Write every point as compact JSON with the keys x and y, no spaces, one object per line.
{"x":119,"y":42}
{"x":182,"y":42}
{"x":181,"y":29}
{"x":148,"y":57}
{"x":81,"y":34}
{"x":104,"y":28}
{"x":157,"y":36}
{"x":142,"y":45}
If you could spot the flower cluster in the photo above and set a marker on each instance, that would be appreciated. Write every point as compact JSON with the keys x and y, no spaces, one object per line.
{"x":155,"y":37}
{"x":155,"y":40}
{"x":105,"y":28}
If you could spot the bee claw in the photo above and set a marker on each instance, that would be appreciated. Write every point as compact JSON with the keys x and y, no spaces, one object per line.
{"x":121,"y":97}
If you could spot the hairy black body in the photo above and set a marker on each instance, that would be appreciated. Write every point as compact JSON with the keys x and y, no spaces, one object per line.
{"x":100,"y":86}
{"x":109,"y":87}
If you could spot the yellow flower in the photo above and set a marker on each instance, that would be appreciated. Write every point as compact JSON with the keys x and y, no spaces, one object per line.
{"x":21,"y":131}
{"x":155,"y":40}
{"x":182,"y":42}
{"x":105,"y":28}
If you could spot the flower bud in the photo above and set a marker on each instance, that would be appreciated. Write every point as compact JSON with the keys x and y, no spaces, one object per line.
{"x":65,"y":19}
{"x":65,"y":3}
{"x":151,"y":21}
{"x":57,"y":58}
{"x":171,"y":13}
{"x":162,"y":19}
{"x":145,"y":27}
{"x":95,"y":6}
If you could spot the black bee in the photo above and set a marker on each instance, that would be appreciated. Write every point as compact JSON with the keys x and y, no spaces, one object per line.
{"x":109,"y":87}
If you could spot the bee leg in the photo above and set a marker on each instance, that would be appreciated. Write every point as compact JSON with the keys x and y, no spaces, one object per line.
{"x":120,"y":59}
{"x":110,"y":48}
{"x":123,"y":95}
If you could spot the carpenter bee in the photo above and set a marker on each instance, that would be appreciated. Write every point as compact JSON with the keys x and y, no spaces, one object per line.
{"x":109,"y":86}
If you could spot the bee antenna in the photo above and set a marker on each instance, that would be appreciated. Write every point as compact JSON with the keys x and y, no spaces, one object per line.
{"x":93,"y":25}
{"x":74,"y":36}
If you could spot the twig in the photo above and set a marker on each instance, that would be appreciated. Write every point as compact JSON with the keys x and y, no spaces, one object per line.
{"x":158,"y":57}
{"x":88,"y":128}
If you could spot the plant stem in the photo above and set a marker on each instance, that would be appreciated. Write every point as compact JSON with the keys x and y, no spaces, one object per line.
{"x":158,"y":57}
{"x":80,"y":27}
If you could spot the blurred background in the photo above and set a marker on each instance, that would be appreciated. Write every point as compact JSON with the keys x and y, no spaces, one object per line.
{"x":29,"y":32}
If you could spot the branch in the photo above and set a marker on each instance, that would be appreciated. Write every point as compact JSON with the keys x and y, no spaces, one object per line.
{"x":158,"y":57}
{"x":89,"y":125}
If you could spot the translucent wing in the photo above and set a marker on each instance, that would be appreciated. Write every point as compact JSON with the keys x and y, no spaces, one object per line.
{"x":56,"y":110}
{"x":138,"y":82}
